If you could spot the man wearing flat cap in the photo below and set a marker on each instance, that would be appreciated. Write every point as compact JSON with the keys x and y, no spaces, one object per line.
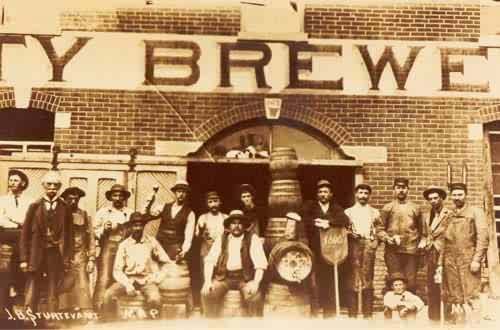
{"x":236,"y":261}
{"x":177,"y":225}
{"x":136,"y":268}
{"x":110,"y":229}
{"x":402,"y":229}
{"x":256,"y":213}
{"x":13,"y":207}
{"x":436,"y":220}
{"x":46,"y":244}
{"x":320,"y":215}
{"x":77,"y":296}
{"x":464,"y":248}
{"x":362,"y":248}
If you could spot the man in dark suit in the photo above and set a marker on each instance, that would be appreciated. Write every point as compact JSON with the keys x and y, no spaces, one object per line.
{"x":46,"y":244}
{"x":321,"y":215}
{"x":435,"y":220}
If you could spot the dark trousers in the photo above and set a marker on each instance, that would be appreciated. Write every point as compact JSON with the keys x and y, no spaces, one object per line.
{"x":324,"y":288}
{"x":366,"y":303}
{"x":10,"y":274}
{"x":51,"y":265}
{"x":433,"y":289}
{"x":105,"y":264}
{"x":212,"y":302}
{"x":402,"y":263}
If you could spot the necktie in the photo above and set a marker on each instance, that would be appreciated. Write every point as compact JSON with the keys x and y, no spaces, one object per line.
{"x":16,"y":199}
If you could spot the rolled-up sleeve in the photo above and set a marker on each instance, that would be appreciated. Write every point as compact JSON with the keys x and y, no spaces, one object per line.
{"x":257,"y":253}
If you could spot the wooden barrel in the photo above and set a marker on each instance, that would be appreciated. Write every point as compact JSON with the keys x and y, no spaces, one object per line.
{"x":291,"y":261}
{"x":131,"y":307}
{"x":6,"y":252}
{"x":275,"y":230}
{"x":282,"y":302}
{"x":175,"y":287}
{"x":232,"y":304}
{"x":284,"y":163}
{"x":285,"y":195}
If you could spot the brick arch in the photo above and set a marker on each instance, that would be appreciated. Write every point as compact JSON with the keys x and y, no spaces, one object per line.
{"x":329,"y":127}
{"x":489,"y":113}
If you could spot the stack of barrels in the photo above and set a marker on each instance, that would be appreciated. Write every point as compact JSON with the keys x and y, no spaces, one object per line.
{"x":284,"y":298}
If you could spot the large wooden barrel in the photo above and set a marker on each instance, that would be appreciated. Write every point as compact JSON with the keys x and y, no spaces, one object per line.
{"x":284,"y":195}
{"x":232,"y":304}
{"x":284,"y":163}
{"x":175,"y":286}
{"x":175,"y":290}
{"x":6,"y":252}
{"x":290,"y":261}
{"x":131,"y":307}
{"x":283,"y":301}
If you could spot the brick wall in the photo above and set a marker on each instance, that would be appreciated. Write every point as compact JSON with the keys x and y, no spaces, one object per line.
{"x":398,"y":21}
{"x":421,"y":134}
{"x":215,"y":21}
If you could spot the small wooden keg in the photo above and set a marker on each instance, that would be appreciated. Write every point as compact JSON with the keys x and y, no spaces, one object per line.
{"x":232,"y":304}
{"x":275,"y":230}
{"x":175,"y":290}
{"x":283,"y":164}
{"x":282,"y":302}
{"x":131,"y":307}
{"x":285,"y":195}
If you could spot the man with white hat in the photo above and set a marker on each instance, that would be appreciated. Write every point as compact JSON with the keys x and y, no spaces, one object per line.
{"x":236,"y":261}
{"x":436,"y":220}
{"x":110,"y":230}
{"x":177,"y":225}
{"x":362,"y":248}
{"x":13,"y":207}
{"x":46,"y":245}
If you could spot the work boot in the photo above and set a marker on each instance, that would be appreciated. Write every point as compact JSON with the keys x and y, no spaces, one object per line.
{"x":367,"y":303}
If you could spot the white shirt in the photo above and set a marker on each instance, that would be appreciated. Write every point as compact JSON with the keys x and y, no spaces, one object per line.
{"x":212,"y":225}
{"x":109,"y":213}
{"x":136,"y":259}
{"x":11,"y":212}
{"x":234,"y":256}
{"x":362,"y":219}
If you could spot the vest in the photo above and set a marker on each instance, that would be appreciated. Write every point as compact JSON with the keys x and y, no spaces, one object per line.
{"x":246,"y":260}
{"x":171,"y":230}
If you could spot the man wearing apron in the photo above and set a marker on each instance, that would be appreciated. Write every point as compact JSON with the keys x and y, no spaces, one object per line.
{"x":110,"y":229}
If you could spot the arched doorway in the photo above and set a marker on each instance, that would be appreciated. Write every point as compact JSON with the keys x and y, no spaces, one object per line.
{"x":240,"y":154}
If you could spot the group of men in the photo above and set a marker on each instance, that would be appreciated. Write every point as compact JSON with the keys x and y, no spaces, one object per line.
{"x":53,"y":242}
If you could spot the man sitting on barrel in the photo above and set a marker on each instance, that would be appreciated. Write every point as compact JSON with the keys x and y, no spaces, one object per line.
{"x":236,"y":261}
{"x":136,"y":268}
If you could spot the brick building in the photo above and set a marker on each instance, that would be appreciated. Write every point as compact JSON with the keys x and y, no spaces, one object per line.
{"x":366,"y":91}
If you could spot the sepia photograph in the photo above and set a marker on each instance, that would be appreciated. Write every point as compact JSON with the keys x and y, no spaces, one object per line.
{"x":249,"y":164}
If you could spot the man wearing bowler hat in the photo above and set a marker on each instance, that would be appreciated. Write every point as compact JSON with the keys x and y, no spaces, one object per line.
{"x":13,"y":207}
{"x":76,"y":294}
{"x":136,"y":268}
{"x":256,"y":213}
{"x":402,"y":228}
{"x":177,"y":224}
{"x":236,"y":261}
{"x":436,"y":220}
{"x":321,"y":215}
{"x":110,"y":230}
{"x":464,"y":248}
